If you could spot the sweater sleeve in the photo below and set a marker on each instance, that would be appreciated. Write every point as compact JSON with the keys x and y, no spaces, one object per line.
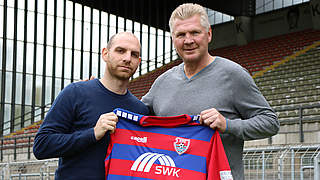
{"x":258,"y":120}
{"x":56,"y":137}
{"x":147,"y":99}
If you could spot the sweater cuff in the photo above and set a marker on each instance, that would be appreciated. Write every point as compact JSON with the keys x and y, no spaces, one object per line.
{"x":89,"y":136}
{"x":227,"y":122}
{"x":232,"y":126}
{"x":93,"y":137}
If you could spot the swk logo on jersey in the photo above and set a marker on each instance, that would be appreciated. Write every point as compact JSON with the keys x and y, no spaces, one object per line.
{"x":181,"y":145}
{"x":165,"y":166}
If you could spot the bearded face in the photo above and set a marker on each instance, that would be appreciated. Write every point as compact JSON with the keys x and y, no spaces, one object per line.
{"x":123,"y":57}
{"x":121,"y":67}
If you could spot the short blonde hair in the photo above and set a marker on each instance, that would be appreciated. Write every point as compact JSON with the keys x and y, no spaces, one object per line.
{"x":188,"y":10}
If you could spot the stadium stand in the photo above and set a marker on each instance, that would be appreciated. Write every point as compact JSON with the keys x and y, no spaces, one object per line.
{"x":294,"y":82}
{"x":142,"y":84}
{"x":259,"y":54}
{"x":255,"y":56}
{"x":286,"y":68}
{"x":283,"y":60}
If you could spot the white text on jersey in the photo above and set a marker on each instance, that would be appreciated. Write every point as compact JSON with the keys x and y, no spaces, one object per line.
{"x":167,"y":171}
{"x":139,"y":139}
{"x":166,"y":165}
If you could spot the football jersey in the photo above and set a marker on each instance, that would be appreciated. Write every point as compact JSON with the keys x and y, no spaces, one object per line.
{"x":175,"y":147}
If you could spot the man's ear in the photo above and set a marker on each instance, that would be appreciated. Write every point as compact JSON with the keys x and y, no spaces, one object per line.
{"x":210,"y":34}
{"x":139,"y":59}
{"x":105,"y":52}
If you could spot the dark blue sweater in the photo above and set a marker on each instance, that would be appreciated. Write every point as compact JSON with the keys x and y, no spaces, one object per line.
{"x":67,"y":130}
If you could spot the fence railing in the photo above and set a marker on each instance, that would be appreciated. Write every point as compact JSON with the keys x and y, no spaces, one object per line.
{"x":282,"y":163}
{"x":29,"y":170}
{"x":301,"y":117}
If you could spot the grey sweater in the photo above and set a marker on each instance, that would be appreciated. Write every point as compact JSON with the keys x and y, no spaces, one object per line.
{"x":223,"y":85}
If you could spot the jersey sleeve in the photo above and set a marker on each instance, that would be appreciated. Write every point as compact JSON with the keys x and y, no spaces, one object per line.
{"x":218,"y":165}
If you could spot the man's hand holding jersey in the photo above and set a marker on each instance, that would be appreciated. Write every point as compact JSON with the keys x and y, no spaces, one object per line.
{"x":213,"y":119}
{"x":106,"y":122}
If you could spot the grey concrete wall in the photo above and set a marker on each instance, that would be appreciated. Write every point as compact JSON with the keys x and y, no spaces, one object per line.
{"x":223,"y":35}
{"x":244,"y":29}
{"x":284,"y":21}
{"x":315,"y":13}
{"x":278,"y":22}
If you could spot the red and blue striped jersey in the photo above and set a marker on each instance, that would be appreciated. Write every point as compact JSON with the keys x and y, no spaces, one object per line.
{"x":176,"y":147}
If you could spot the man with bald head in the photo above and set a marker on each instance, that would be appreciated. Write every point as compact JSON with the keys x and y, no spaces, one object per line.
{"x":76,"y":128}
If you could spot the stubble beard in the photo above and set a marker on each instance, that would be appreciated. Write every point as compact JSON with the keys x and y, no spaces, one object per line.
{"x":121,"y":75}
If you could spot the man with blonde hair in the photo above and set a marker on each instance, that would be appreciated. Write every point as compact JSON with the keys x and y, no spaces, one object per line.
{"x":188,"y":10}
{"x":221,"y":91}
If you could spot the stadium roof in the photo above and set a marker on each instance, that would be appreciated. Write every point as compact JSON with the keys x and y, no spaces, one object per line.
{"x":157,"y":12}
